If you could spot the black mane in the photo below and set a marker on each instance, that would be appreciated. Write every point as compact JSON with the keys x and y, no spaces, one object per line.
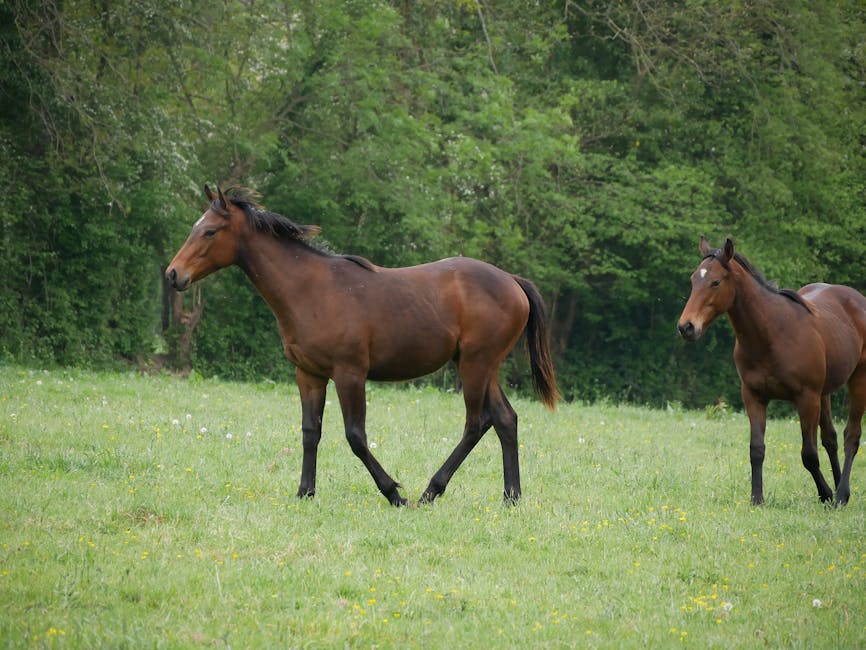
{"x":284,"y":228}
{"x":759,"y":277}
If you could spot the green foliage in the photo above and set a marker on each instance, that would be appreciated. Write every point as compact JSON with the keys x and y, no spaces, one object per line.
{"x":84,"y":233}
{"x":584,"y":145}
{"x":222,"y":348}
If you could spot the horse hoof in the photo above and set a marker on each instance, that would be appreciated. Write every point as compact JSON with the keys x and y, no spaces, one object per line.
{"x":511,"y":499}
{"x":427,"y":497}
{"x":396,"y":500}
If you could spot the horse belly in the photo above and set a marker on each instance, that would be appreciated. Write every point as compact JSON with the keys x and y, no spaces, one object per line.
{"x":399,"y":372}
{"x":776,"y":374}
{"x":767,"y":384}
{"x":409,"y":353}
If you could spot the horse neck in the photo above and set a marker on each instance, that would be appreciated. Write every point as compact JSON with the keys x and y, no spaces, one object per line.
{"x":282,"y":271}
{"x":757,"y":311}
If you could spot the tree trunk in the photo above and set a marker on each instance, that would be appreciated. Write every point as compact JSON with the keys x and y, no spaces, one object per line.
{"x":179,"y":325}
{"x":563,"y":313}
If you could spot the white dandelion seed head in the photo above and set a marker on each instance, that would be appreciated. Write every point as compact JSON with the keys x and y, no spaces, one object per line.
{"x":175,"y":422}
{"x":203,"y":430}
{"x":373,"y":445}
{"x":229,"y":436}
{"x":727,"y":606}
{"x":816,"y":602}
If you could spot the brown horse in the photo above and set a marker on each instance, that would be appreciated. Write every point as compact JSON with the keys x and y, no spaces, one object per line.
{"x":343,"y":318}
{"x":794,"y":346}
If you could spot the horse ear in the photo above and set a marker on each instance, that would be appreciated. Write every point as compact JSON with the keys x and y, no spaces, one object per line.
{"x":729,"y":248}
{"x":705,"y":246}
{"x":223,"y":203}
{"x":208,"y":192}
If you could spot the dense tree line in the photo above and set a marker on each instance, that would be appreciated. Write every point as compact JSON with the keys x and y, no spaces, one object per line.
{"x":584,"y":144}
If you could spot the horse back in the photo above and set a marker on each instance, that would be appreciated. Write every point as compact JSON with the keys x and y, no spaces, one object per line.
{"x":474,"y":296}
{"x":843,"y":306}
{"x":422,"y":316}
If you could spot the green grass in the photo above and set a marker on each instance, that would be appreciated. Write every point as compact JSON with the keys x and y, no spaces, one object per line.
{"x":156,"y":511}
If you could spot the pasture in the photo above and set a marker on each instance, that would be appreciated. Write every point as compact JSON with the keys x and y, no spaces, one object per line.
{"x":161,"y":512}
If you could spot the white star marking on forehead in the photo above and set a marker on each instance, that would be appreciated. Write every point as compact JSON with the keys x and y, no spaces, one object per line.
{"x":703,"y":272}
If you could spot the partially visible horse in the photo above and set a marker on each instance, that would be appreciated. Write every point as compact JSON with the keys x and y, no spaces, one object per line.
{"x":794,"y":346}
{"x":343,"y":318}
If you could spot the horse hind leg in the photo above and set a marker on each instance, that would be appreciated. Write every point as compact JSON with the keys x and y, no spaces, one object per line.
{"x":857,"y":405}
{"x":478,"y":421}
{"x":505,"y":423}
{"x":809,"y":407}
{"x":829,"y":438}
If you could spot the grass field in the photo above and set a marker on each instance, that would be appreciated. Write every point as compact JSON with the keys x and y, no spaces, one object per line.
{"x":160,"y":512}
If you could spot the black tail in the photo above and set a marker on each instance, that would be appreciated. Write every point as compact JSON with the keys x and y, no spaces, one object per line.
{"x":543,"y":377}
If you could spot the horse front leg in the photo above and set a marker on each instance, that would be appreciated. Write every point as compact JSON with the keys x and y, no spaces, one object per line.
{"x":312,"y":390}
{"x":756,"y":409}
{"x":809,"y":408}
{"x":350,"y":389}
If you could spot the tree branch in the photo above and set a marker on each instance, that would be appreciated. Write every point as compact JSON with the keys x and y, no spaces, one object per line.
{"x":486,"y":36}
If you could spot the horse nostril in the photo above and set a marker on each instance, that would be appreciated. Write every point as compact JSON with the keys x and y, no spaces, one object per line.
{"x":687,"y":329}
{"x":177,"y":283}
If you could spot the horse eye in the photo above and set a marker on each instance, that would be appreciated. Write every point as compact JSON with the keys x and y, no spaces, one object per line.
{"x":209,"y":233}
{"x":716,"y":283}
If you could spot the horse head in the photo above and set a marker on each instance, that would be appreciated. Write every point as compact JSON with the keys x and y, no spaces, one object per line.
{"x":212,"y":243}
{"x":713,"y":290}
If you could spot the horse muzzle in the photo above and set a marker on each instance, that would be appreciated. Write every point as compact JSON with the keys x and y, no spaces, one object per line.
{"x":179,"y":282}
{"x":688,"y":330}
